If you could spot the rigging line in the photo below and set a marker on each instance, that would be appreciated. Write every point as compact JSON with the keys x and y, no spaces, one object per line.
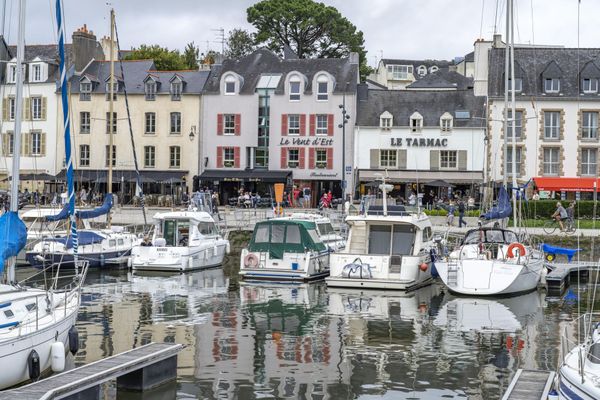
{"x":496,"y":18}
{"x":135,"y":160}
{"x":481,"y":23}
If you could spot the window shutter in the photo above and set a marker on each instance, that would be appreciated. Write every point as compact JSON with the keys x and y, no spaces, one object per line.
{"x":238,"y":124}
{"x":330,"y":125}
{"x":374,"y":158}
{"x":302,"y":124}
{"x":26,"y":144}
{"x":434,"y":160}
{"x":219,"y":124}
{"x":5,"y":104}
{"x":236,"y":157}
{"x":462,"y":160}
{"x":330,"y":159}
{"x":402,"y":159}
{"x":284,"y":158}
{"x":27,"y":115}
{"x":43,"y":144}
{"x":284,"y":124}
{"x":301,"y":157}
{"x":44,"y":107}
{"x":5,"y":144}
{"x":312,"y":125}
{"x":311,"y":157}
{"x":219,"y":157}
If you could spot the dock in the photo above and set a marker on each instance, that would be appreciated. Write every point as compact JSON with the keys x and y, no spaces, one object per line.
{"x":529,"y":384}
{"x":140,"y":369}
{"x":561,"y":274}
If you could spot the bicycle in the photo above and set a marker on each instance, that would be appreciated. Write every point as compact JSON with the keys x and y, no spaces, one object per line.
{"x":551,"y":226}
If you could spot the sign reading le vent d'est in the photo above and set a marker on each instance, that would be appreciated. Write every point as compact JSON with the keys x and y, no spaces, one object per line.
{"x":419,"y":142}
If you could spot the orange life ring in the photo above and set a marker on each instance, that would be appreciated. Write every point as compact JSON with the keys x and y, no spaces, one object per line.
{"x":251,"y":260}
{"x":518,"y":246}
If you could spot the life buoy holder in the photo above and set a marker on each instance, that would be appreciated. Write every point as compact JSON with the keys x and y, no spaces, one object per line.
{"x":518,"y":246}
{"x":251,"y":260}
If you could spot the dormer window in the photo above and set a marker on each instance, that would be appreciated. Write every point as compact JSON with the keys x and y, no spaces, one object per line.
{"x":589,"y":85}
{"x":85,"y":90}
{"x":416,"y":122}
{"x":230,"y":84}
{"x":399,"y":72}
{"x":433,"y":68}
{"x":446,"y":122}
{"x":551,"y":85}
{"x":36,"y":73}
{"x":518,"y":85}
{"x":295,"y":88}
{"x":150,"y":89}
{"x":322,"y":88}
{"x":115,"y":88}
{"x":422,"y":70}
{"x":12,"y":73}
{"x":386,"y":120}
{"x":176,"y":90}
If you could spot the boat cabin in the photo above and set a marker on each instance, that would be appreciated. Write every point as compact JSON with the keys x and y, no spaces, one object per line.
{"x":279,"y":236}
{"x":177,"y":229}
{"x":490,"y":235}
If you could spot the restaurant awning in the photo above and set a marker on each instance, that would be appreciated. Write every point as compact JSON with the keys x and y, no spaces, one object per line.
{"x":101,"y":176}
{"x":398,"y":176}
{"x":253,"y":175}
{"x":564,"y":184}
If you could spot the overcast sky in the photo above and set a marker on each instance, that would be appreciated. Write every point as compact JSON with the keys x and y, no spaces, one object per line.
{"x":420,"y":29}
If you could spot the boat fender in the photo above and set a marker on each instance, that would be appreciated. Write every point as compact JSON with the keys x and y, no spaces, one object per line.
{"x":227,"y":248}
{"x":423,"y":267}
{"x":57,"y":356}
{"x":518,"y":246}
{"x":251,"y":260}
{"x":33,"y":364}
{"x":73,"y":340}
{"x":102,"y":260}
{"x":129,"y":262}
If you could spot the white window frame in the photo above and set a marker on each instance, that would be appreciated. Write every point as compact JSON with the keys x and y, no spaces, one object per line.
{"x":229,"y":88}
{"x":12,"y":108}
{"x":421,"y":70}
{"x":446,"y":124}
{"x":36,"y":109}
{"x":228,"y":157}
{"x":115,"y":121}
{"x":174,"y":157}
{"x":519,"y":155}
{"x":176,"y":89}
{"x":295,"y":129}
{"x":518,"y":85}
{"x":11,"y":76}
{"x":448,"y":159}
{"x":551,"y":164}
{"x":518,"y":124}
{"x":551,"y":85}
{"x":388,"y":158}
{"x":433,"y":68}
{"x":150,"y":123}
{"x":84,"y":155}
{"x":321,"y":158}
{"x":229,"y":124}
{"x":551,"y":125}
{"x":85,"y":122}
{"x":150,"y":90}
{"x":589,"y":168}
{"x":85,"y":91}
{"x":175,"y":124}
{"x":36,"y":143}
{"x":293,"y":162}
{"x":114,"y":152}
{"x":322,"y":125}
{"x":399,"y":72}
{"x":115,"y":92}
{"x":589,"y":125}
{"x":149,"y":156}
{"x":589,"y":85}
{"x":385,"y":122}
{"x":416,"y":122}
{"x":322,"y":88}
{"x":295,"y":87}
{"x":36,"y":72}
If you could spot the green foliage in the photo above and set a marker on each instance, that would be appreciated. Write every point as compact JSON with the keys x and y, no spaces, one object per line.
{"x":309,"y":28}
{"x":164,"y":59}
{"x":191,"y":55}
{"x":545,"y":208}
{"x":240,"y":43}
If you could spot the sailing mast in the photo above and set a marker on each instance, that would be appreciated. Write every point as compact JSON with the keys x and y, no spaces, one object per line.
{"x":110,"y":109}
{"x":515,"y":186}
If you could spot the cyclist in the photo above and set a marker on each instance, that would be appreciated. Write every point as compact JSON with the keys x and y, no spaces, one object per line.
{"x":560,"y":214}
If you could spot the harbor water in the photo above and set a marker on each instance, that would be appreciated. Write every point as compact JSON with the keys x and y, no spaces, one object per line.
{"x":306,"y":341}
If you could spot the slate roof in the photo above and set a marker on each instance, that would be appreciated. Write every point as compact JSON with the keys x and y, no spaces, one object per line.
{"x":263,"y":61}
{"x":470,"y":57}
{"x":442,"y":79}
{"x":567,"y":63}
{"x":416,"y":63}
{"x":47,"y":53}
{"x":430,"y":104}
{"x":135,"y":73}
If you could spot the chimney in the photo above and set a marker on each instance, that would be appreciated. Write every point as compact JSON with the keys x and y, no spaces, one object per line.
{"x":353,"y":58}
{"x":85,"y":48}
{"x":497,"y":41}
{"x":362,"y":92}
{"x":105,"y":44}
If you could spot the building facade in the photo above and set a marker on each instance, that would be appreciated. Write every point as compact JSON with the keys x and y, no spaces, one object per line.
{"x":269,"y":120}
{"x":397,"y":74}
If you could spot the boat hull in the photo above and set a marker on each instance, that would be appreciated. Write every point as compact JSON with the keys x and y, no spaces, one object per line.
{"x":385,"y":284}
{"x":96,"y":260}
{"x":293,"y":267}
{"x":179,"y":259}
{"x":569,"y":382}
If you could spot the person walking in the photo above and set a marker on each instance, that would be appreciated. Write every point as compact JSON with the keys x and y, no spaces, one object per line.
{"x":461,"y":213}
{"x":450,"y":219}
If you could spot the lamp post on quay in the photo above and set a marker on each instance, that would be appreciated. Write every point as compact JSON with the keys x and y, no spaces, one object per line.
{"x":345,"y":119}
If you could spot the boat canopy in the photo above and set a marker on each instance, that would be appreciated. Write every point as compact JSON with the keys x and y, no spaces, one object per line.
{"x":84,"y":214}
{"x":13,"y":236}
{"x":84,"y":237}
{"x":502,"y":210}
{"x":490,"y":235}
{"x":285,"y":236}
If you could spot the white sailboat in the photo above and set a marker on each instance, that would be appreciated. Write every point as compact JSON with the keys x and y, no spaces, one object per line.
{"x":36,"y":325}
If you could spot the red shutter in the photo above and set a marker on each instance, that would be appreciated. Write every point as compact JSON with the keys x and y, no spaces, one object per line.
{"x":302,"y":124}
{"x":219,"y":124}
{"x":312,"y":124}
{"x":301,"y":158}
{"x":238,"y":124}
{"x":311,"y":158}
{"x":236,"y":157}
{"x":284,"y":158}
{"x":219,"y":157}
{"x":284,"y":125}
{"x":330,"y":125}
{"x":330,"y":159}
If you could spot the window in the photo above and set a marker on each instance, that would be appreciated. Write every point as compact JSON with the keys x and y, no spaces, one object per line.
{"x":229,"y":124}
{"x":380,"y":239}
{"x":518,"y":124}
{"x":12,"y":104}
{"x":114,"y":123}
{"x":589,"y":125}
{"x":84,"y":155}
{"x":8,"y":144}
{"x":149,"y":156}
{"x":403,"y":240}
{"x":321,"y":158}
{"x":293,"y":158}
{"x":36,"y":73}
{"x":551,"y":125}
{"x":416,"y":122}
{"x":518,"y":85}
{"x":230,"y":84}
{"x":385,"y":122}
{"x":36,"y":108}
{"x":85,"y":91}
{"x":261,"y":234}
{"x":174,"y":157}
{"x":446,"y":124}
{"x":551,"y":162}
{"x":150,"y":90}
{"x":388,"y":158}
{"x":589,"y":85}
{"x":551,"y":85}
{"x":448,"y":159}
{"x":292,"y":234}
{"x":589,"y":164}
{"x":228,"y":157}
{"x":399,"y":72}
{"x":116,"y":89}
{"x":176,"y":90}
{"x":422,"y":70}
{"x":322,"y":93}
{"x":12,"y":73}
{"x":150,"y":125}
{"x":433,"y":69}
{"x":36,"y":143}
{"x":293,"y":124}
{"x":295,"y":88}
{"x":322,"y":126}
{"x":114,"y":155}
{"x":509,"y":161}
{"x":84,"y":122}
{"x":175,"y":123}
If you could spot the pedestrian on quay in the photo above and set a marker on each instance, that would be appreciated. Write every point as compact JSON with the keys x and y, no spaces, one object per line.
{"x":461,"y":213}
{"x":296,"y":195}
{"x":450,"y":218}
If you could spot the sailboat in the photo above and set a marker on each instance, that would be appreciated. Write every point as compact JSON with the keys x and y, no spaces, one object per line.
{"x":36,"y":325}
{"x":493,"y":260}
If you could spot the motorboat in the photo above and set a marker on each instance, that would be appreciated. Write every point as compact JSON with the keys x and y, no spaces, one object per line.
{"x":285,"y":249}
{"x":332,"y":239}
{"x":38,"y":228}
{"x":181,"y":241}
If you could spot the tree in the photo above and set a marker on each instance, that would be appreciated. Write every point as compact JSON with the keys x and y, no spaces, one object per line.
{"x":240,"y":43}
{"x":309,"y":28}
{"x":164,"y":59}
{"x":191,"y":55}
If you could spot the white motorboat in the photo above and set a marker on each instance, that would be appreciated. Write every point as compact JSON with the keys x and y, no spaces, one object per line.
{"x":285,"y":249}
{"x":38,"y":228}
{"x":333,"y":240}
{"x":182,"y":241}
{"x":490,"y":262}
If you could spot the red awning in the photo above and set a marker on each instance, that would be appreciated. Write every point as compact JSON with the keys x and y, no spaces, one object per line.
{"x":562,"y":184}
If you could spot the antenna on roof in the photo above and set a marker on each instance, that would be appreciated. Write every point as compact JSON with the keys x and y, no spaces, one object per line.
{"x":220,"y":35}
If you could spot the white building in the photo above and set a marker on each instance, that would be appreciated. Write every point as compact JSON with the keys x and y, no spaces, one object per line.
{"x":397,"y":74}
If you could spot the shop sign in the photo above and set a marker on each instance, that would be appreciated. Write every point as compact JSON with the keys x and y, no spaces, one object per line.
{"x":300,"y":141}
{"x":231,"y":180}
{"x":419,"y":142}
{"x":323,"y":175}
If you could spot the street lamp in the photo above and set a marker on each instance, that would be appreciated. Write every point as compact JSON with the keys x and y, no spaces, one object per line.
{"x":192,"y":133}
{"x":345,"y":119}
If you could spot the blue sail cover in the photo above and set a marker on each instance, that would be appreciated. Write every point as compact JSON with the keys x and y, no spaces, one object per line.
{"x":96,"y":212}
{"x":84,"y":237}
{"x":13,"y":236}
{"x":502,"y":210}
{"x":63,"y":214}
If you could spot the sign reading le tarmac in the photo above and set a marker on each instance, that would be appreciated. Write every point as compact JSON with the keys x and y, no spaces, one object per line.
{"x":419,"y":142}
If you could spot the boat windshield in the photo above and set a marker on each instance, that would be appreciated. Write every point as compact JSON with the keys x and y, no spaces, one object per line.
{"x":490,"y":236}
{"x":176,"y":233}
{"x":325,"y":228}
{"x":207,"y":228}
{"x":397,"y":239}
